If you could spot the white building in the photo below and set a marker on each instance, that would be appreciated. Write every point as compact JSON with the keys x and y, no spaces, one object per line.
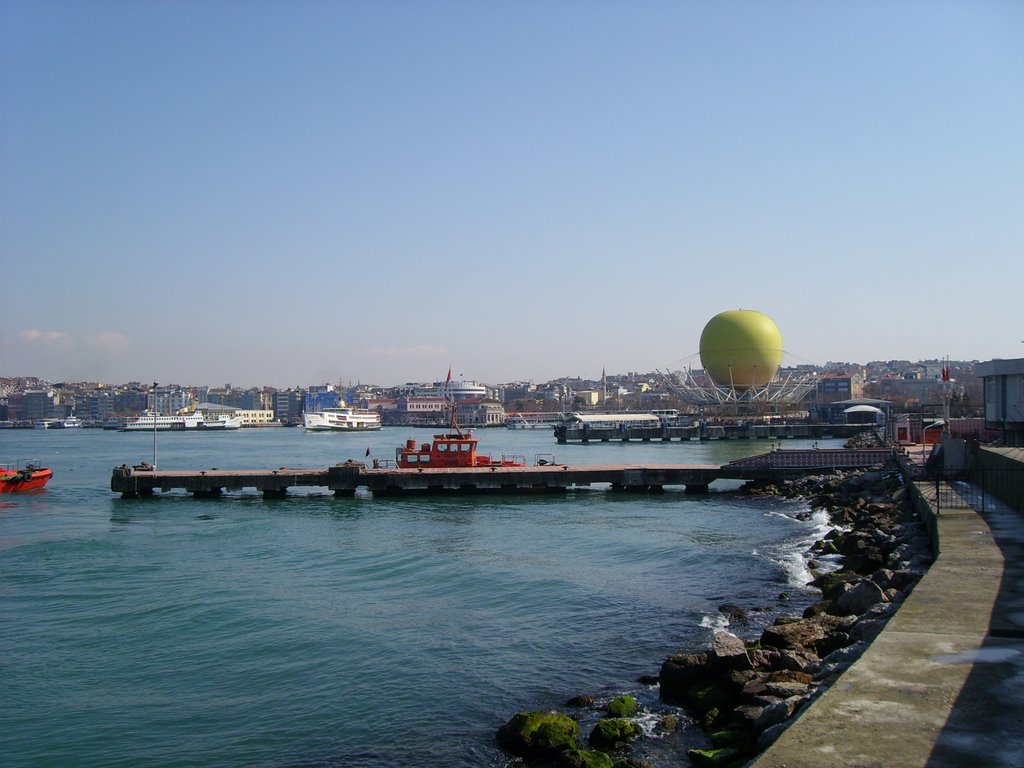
{"x":1004,"y":398}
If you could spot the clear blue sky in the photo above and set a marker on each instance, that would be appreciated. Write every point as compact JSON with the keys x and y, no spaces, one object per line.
{"x":290,"y":193}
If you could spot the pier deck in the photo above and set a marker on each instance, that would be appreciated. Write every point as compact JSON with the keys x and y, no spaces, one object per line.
{"x":344,"y":479}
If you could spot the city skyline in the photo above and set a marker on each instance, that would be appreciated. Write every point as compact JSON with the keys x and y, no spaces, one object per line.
{"x":270,"y":194}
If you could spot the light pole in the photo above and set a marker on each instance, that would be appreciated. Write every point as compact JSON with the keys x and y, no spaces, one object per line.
{"x":154,"y":424}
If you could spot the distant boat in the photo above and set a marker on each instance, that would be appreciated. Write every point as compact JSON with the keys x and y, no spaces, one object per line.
{"x":220,"y":422}
{"x":342,"y":419}
{"x":69,"y":422}
{"x":45,"y":424}
{"x":149,"y":422}
{"x":547,"y":420}
{"x":31,"y":477}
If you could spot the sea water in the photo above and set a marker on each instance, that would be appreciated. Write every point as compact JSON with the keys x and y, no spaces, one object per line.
{"x":323,"y":631}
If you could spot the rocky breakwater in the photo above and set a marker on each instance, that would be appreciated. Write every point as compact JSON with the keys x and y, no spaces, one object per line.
{"x":745,"y":692}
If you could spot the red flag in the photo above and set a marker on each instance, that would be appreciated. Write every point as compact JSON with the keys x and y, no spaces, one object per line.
{"x":449,"y":379}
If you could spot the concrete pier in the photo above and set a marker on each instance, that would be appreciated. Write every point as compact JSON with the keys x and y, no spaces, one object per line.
{"x":344,"y":479}
{"x":568,"y":433}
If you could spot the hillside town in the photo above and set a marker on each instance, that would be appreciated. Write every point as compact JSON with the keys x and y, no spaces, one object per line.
{"x":925,"y":387}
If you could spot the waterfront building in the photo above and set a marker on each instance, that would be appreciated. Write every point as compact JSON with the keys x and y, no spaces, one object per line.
{"x":256,"y":418}
{"x":170,"y":399}
{"x":834,"y":385}
{"x":1004,"y":398}
{"x":287,"y":406}
{"x":481,"y":412}
{"x":32,"y":405}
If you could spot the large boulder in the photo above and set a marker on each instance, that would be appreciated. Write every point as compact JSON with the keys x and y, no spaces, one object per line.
{"x":680,"y":671}
{"x":858,"y":599}
{"x":613,"y":732}
{"x":623,"y":706}
{"x":538,"y":735}
{"x":583,"y":758}
{"x":728,"y":652}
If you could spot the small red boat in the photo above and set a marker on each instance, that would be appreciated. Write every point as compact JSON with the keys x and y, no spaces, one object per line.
{"x":450,"y":451}
{"x":28,"y":478}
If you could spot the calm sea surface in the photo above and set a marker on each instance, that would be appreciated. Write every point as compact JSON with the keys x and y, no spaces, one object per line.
{"x":322,"y":631}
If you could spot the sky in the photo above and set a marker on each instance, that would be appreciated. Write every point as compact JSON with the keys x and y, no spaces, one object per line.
{"x":304,"y":192}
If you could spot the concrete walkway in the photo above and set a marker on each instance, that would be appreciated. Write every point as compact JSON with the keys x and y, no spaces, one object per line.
{"x":943,"y":684}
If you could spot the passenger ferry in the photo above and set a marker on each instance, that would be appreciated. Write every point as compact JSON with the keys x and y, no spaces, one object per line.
{"x":220,"y":422}
{"x":342,"y":419}
{"x":150,"y":422}
{"x":611,"y":420}
{"x":537,"y":420}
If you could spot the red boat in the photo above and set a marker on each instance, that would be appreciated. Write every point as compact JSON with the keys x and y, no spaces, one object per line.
{"x":449,"y":451}
{"x":29,"y":478}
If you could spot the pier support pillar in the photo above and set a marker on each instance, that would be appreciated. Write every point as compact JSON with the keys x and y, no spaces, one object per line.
{"x":696,"y":488}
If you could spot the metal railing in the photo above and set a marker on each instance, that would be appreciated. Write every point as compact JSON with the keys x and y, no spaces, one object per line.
{"x":982,"y":489}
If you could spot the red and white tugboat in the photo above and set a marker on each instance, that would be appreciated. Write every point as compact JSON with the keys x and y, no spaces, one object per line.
{"x":28,"y":478}
{"x":451,"y":450}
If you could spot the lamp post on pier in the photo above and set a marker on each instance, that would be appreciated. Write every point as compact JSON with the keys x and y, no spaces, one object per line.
{"x":154,"y":423}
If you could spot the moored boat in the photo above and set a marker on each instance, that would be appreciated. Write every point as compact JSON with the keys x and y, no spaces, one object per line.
{"x":220,"y":422}
{"x":68,"y":422}
{"x":149,"y":421}
{"x":539,"y":420}
{"x":449,"y":451}
{"x":342,"y":419}
{"x":30,"y":477}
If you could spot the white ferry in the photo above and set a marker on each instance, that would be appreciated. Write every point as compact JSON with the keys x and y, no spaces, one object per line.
{"x":149,"y":422}
{"x":537,"y":420}
{"x":611,"y":420}
{"x":342,"y":419}
{"x":220,"y":422}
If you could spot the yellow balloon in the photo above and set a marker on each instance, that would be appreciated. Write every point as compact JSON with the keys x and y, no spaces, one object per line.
{"x":741,"y":348}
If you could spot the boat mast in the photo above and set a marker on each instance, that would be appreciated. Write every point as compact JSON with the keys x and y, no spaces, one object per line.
{"x":451,"y":402}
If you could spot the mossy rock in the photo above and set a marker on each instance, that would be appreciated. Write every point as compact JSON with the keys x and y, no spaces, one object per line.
{"x":623,"y":706}
{"x":704,"y":697}
{"x":538,"y":735}
{"x":715,"y":758}
{"x":582,"y":758}
{"x":712,"y":719}
{"x":668,"y":724}
{"x":720,"y":739}
{"x":614,"y":731}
